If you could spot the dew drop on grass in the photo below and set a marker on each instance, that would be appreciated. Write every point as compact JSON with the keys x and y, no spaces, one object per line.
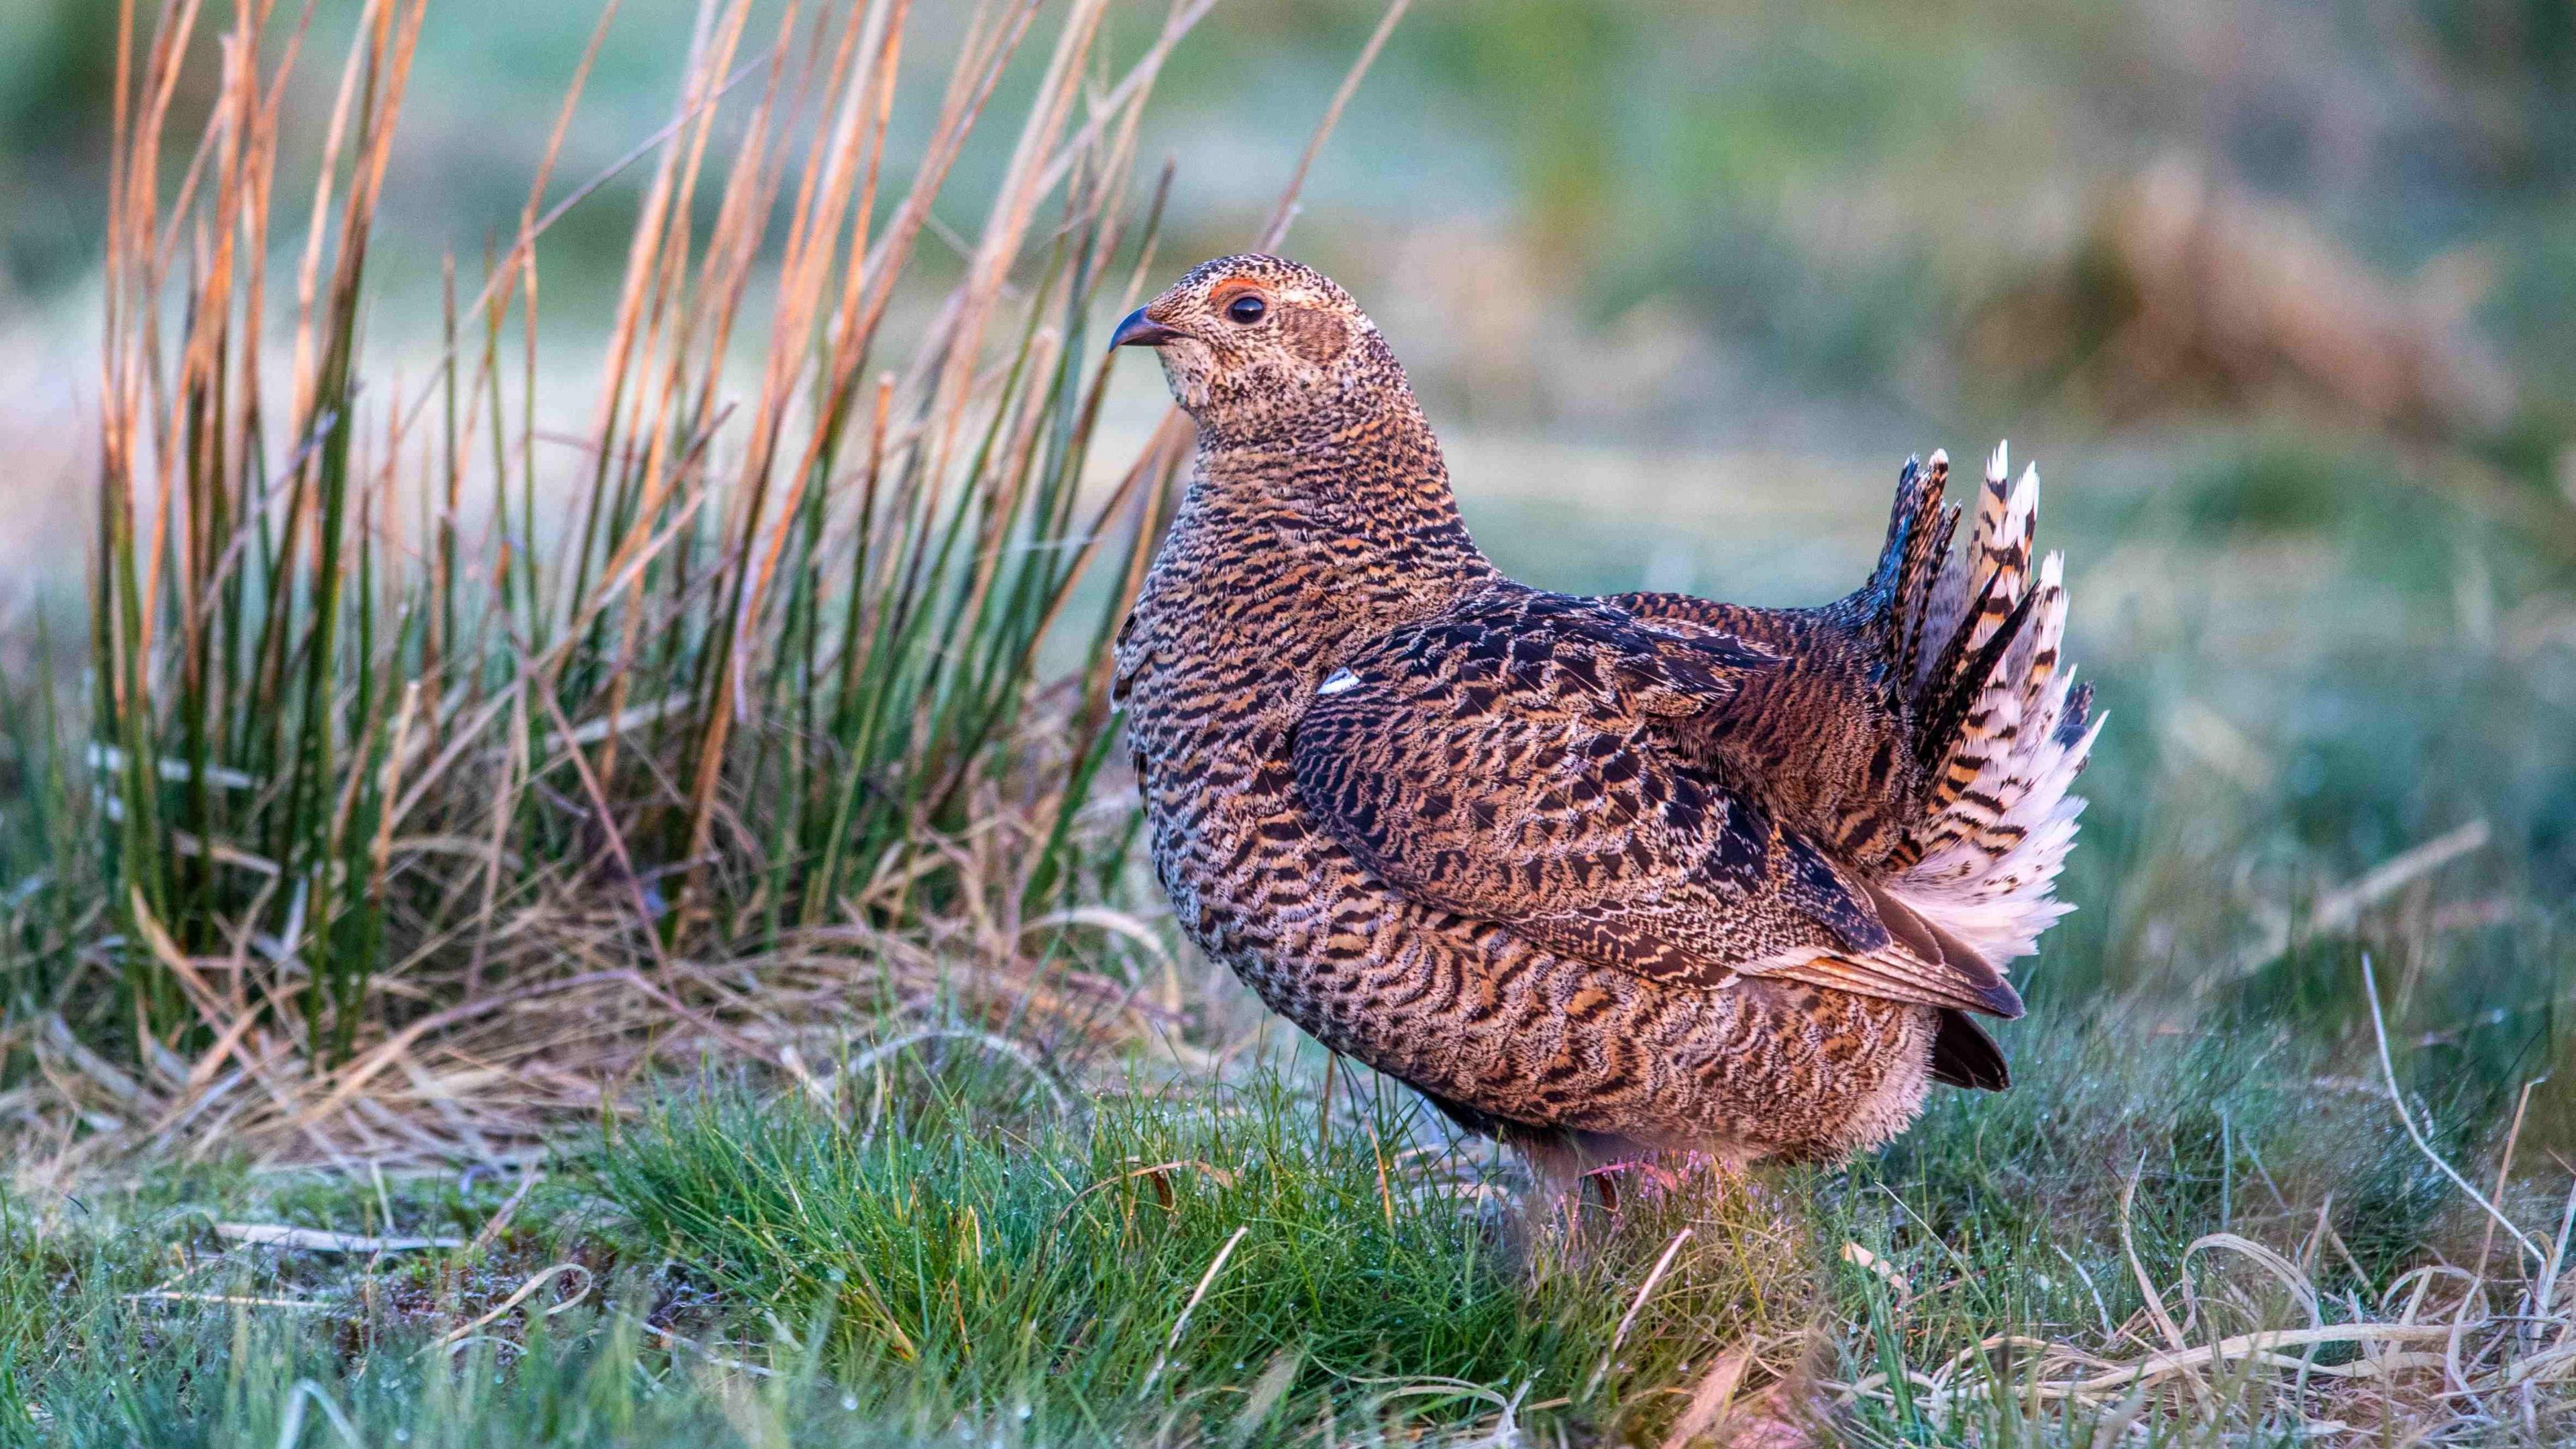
{"x":850,"y":1403}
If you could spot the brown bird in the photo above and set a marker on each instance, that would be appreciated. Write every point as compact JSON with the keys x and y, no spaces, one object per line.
{"x":1600,"y":876}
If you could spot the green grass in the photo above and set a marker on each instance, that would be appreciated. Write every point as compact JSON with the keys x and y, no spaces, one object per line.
{"x":972,"y":1257}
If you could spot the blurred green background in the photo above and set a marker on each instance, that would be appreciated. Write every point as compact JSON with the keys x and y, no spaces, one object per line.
{"x":1690,"y":220}
{"x":2281,"y":294}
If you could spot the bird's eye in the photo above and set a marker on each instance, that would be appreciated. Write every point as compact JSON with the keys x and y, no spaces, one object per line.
{"x":1246,"y":310}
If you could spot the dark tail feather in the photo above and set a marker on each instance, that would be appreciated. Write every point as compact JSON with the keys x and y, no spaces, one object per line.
{"x":1899,"y":593}
{"x":1922,"y":581}
{"x":1941,"y":722}
{"x":1896,"y":608}
{"x":1964,"y":1056}
{"x":1881,"y":591}
{"x":2079,"y":713}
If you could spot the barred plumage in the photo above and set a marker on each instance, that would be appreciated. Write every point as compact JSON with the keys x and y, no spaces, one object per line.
{"x":1999,"y":818}
{"x":1639,"y":871}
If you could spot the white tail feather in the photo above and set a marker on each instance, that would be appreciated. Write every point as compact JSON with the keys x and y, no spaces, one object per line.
{"x":2002,"y":818}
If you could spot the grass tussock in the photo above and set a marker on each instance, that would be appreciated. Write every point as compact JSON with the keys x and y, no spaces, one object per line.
{"x":1372,"y":1252}
{"x":439,"y":771}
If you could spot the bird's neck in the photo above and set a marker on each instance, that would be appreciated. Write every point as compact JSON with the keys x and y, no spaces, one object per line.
{"x":1292,"y":543}
{"x":1361,"y":481}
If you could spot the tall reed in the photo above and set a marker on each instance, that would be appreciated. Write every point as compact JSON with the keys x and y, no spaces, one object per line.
{"x":392,"y":706}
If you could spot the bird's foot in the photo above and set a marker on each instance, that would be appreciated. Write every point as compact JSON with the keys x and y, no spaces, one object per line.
{"x":1653,"y":1176}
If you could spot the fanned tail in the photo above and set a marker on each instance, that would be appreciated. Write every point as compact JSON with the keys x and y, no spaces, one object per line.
{"x":1973,"y":640}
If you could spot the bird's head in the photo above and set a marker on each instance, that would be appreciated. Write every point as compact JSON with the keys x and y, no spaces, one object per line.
{"x":1250,"y":340}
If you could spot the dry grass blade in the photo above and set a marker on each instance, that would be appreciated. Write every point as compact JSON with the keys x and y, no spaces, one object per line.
{"x":2415,"y":1134}
{"x":226,"y":1300}
{"x":2338,"y":911}
{"x":317,"y":1240}
{"x":1636,"y":1305}
{"x":1709,"y":1401}
{"x":539,"y":1279}
{"x":1181,"y":1325}
{"x":1275,"y":231}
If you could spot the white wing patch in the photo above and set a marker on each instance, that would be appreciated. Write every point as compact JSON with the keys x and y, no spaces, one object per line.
{"x":1341,"y":680}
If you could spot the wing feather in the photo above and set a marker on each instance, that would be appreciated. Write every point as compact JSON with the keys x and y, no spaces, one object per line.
{"x":1536,"y":760}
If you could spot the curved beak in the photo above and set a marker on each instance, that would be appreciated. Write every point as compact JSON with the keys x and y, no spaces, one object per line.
{"x":1138,"y":330}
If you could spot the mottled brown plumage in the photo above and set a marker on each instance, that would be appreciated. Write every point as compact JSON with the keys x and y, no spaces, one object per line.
{"x":1641,"y":871}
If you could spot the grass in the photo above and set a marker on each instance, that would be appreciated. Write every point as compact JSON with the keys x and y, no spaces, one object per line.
{"x":1174,"y":1263}
{"x":684,"y":871}
{"x":405,"y":711}
{"x":1055,"y":1265}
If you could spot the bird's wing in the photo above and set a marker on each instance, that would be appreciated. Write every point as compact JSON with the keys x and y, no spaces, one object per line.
{"x":1528,"y":759}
